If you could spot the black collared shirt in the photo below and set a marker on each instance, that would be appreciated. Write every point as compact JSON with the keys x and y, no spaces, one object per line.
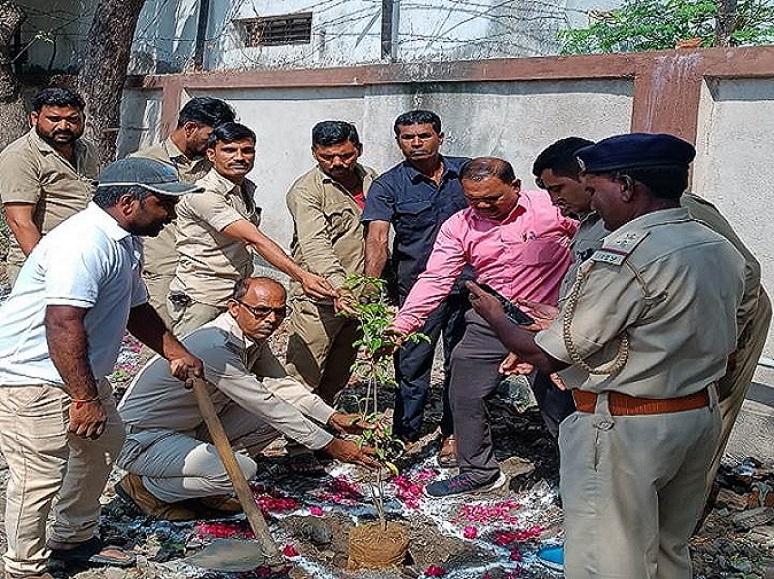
{"x":416,"y":206}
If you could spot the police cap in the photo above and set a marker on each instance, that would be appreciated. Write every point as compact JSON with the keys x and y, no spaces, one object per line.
{"x":636,"y":151}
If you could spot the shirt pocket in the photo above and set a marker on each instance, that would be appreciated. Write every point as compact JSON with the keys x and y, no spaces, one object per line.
{"x":341,"y":217}
{"x":542,"y":251}
{"x":414,"y":215}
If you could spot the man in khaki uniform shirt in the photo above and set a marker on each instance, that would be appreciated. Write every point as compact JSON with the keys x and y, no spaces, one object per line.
{"x":329,"y":240}
{"x":652,"y":325}
{"x":553,"y":168}
{"x":215,"y":231}
{"x":167,"y":451}
{"x":184,"y":150}
{"x":48,"y":174}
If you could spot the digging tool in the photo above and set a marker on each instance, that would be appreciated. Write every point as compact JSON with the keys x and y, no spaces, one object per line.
{"x":229,"y":554}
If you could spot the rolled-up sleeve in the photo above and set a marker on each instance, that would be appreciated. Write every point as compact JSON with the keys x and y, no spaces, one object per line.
{"x":258,"y":396}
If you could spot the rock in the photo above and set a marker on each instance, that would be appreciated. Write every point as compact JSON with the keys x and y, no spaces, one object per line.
{"x":746,"y":520}
{"x":114,"y":573}
{"x":317,"y":531}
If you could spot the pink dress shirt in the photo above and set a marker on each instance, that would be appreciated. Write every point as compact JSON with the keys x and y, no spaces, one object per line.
{"x":525,"y":255}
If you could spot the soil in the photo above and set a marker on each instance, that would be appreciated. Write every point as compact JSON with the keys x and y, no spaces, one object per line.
{"x":495,"y":535}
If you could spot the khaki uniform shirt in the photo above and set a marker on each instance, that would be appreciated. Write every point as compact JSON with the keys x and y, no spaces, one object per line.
{"x":656,"y":280}
{"x":240,"y":371}
{"x":328,"y":236}
{"x":588,"y":238}
{"x":211,"y":261}
{"x":32,"y":171}
{"x":704,"y":211}
{"x":160,"y":253}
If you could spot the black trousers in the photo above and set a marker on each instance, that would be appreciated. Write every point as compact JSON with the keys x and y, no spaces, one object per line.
{"x":414,"y":361}
{"x":474,"y":378}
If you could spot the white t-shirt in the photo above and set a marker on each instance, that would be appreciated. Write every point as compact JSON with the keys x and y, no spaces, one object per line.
{"x":88,"y":262}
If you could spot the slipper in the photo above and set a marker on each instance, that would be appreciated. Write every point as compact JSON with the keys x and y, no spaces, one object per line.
{"x":94,"y":552}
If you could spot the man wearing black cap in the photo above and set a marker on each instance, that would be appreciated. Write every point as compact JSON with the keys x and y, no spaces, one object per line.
{"x":557,"y":171}
{"x":652,"y":324}
{"x":60,"y":332}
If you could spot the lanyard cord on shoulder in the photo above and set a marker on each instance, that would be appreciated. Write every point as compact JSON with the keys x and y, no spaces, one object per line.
{"x":621,"y":357}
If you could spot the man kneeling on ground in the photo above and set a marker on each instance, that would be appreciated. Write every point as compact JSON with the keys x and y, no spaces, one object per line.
{"x":167,"y":453}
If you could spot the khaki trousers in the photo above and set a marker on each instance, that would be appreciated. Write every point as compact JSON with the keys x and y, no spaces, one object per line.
{"x":176,"y":466}
{"x":185,"y":319}
{"x":633,"y":489}
{"x":320,"y":350}
{"x":733,"y":386}
{"x":158,"y":290}
{"x":43,"y":460}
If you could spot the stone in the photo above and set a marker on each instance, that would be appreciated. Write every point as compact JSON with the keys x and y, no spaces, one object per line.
{"x":746,"y":520}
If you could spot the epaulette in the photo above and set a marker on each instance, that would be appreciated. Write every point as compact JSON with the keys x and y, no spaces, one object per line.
{"x":616,"y":248}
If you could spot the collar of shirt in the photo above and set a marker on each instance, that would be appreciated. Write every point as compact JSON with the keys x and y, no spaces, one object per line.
{"x":518,"y":210}
{"x":175,"y":154}
{"x":214,"y":181}
{"x":236,"y":336}
{"x":450,"y":171}
{"x":45,"y":147}
{"x":649,"y":220}
{"x":365,"y":175}
{"x":105,"y":222}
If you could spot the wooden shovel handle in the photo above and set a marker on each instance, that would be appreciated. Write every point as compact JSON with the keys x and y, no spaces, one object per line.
{"x":226,"y":453}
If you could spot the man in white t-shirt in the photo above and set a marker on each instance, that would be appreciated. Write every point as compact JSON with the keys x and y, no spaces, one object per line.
{"x":60,"y":334}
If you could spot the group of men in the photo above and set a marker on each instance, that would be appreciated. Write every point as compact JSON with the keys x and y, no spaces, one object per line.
{"x":638,"y":352}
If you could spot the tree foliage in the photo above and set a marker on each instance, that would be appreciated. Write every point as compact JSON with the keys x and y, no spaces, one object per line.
{"x":640,"y":25}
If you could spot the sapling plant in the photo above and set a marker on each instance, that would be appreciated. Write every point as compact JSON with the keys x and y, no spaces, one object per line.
{"x":366,"y":302}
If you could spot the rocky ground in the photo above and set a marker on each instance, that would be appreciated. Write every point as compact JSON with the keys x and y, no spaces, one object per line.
{"x":494,"y":535}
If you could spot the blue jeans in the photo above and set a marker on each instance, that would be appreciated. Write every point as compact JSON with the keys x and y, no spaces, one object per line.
{"x":414,"y":361}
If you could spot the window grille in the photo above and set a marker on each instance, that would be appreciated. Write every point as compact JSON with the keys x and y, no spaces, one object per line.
{"x":276,"y":30}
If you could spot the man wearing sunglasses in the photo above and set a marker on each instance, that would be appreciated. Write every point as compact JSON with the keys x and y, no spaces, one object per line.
{"x":173,"y":468}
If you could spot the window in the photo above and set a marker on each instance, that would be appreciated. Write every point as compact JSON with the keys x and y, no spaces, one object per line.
{"x":276,"y":30}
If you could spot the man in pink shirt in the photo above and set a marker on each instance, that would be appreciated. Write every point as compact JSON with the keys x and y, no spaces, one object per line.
{"x":517,"y":243}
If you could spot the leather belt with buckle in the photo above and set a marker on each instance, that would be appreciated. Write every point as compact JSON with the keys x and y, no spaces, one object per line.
{"x":623,"y":405}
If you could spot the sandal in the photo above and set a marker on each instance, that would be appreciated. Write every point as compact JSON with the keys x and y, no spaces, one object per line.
{"x":447,"y":456}
{"x":94,"y":552}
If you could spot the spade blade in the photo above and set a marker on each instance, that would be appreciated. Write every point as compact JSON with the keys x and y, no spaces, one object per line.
{"x":229,"y":556}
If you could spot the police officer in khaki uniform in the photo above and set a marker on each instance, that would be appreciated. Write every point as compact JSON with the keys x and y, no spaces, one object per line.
{"x":329,"y":240}
{"x":652,"y":324}
{"x":184,"y":150}
{"x":167,"y":452}
{"x":557,"y":171}
{"x":48,"y":174}
{"x":215,"y":230}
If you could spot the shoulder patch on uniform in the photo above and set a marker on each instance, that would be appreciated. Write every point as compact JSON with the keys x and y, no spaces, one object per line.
{"x":616,"y":248}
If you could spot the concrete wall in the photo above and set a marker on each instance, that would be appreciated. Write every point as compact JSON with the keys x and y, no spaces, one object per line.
{"x":734,"y":166}
{"x":514,"y":120}
{"x":350,"y":32}
{"x":140,"y":120}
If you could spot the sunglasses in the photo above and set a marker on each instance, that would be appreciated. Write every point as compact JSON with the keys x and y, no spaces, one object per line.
{"x":260,"y":312}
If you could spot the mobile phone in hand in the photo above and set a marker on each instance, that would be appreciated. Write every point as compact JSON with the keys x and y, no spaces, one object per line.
{"x":512,"y":311}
